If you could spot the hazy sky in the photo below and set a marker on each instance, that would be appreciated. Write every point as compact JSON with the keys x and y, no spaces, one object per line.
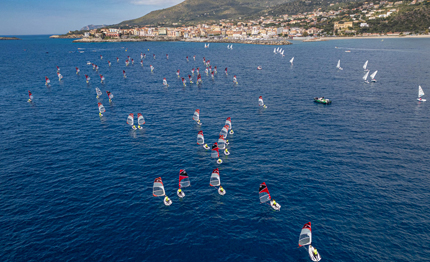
{"x":27,"y":17}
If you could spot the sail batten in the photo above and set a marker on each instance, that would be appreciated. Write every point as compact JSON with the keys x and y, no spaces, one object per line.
{"x":184,"y":180}
{"x":264,"y":193}
{"x":215,"y":178}
{"x":305,"y":237}
{"x":158,"y":188}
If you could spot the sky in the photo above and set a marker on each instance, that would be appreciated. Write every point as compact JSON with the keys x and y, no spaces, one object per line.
{"x":36,"y":17}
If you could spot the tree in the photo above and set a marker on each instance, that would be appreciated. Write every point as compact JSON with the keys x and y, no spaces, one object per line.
{"x":305,"y":33}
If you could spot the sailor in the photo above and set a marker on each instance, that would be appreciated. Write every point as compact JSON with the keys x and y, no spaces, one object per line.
{"x":167,"y":199}
{"x":226,"y":142}
{"x":100,"y":114}
{"x":226,"y":152}
{"x":274,"y":203}
{"x":221,"y":189}
{"x":206,"y":146}
{"x":180,"y":191}
{"x":134,"y":127}
{"x":315,"y":252}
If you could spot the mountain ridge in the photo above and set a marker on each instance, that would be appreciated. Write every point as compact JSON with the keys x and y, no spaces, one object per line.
{"x":191,"y":11}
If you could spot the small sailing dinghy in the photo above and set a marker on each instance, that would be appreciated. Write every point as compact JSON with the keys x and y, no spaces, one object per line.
{"x":101,"y":109}
{"x":99,"y":92}
{"x":184,"y":181}
{"x":261,"y":102}
{"x":201,"y":140}
{"x":216,"y":181}
{"x":291,"y":61}
{"x":420,"y":94}
{"x":372,"y":76}
{"x":140,"y":120}
{"x":365,"y":77}
{"x":338,"y":65}
{"x":130,"y":121}
{"x":265,"y":197}
{"x":228,"y":123}
{"x":215,"y":153}
{"x":196,"y":117}
{"x":158,"y":190}
{"x":365,"y":66}
{"x":305,"y":239}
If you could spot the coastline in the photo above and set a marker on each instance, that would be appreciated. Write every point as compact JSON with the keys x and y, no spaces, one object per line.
{"x":9,"y":38}
{"x":198,"y":40}
{"x":372,"y":37}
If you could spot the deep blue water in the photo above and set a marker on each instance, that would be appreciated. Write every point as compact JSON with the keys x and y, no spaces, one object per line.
{"x":77,"y":187}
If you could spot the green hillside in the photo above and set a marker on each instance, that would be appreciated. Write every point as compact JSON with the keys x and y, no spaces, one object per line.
{"x":192,"y":11}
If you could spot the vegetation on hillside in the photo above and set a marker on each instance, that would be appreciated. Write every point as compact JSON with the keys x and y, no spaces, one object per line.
{"x":195,"y":11}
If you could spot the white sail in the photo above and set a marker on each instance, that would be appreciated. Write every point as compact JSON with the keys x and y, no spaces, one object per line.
{"x":200,"y":138}
{"x":374,"y":74}
{"x":99,"y":93}
{"x":420,"y":91}
{"x":338,"y":64}
{"x":292,"y":59}
{"x":221,"y":142}
{"x":224,"y":131}
{"x":196,"y":116}
{"x":140,"y":119}
{"x":365,"y":65}
{"x":274,"y":50}
{"x":158,"y":188}
{"x":215,"y":179}
{"x":130,"y":119}
{"x":260,"y":101}
{"x":365,"y":76}
{"x":305,"y":237}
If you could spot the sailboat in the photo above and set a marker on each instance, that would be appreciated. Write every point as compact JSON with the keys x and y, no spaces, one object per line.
{"x":291,"y":61}
{"x":184,"y":181}
{"x":420,"y":94}
{"x":158,"y":190}
{"x":338,"y":65}
{"x":365,"y":77}
{"x":305,"y":239}
{"x":372,"y":76}
{"x":264,"y":195}
{"x":216,"y":181}
{"x":365,"y":66}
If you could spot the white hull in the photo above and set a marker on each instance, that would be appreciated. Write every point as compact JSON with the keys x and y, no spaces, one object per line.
{"x":180,"y":194}
{"x":277,"y":207}
{"x":311,"y":254}
{"x":221,"y":192}
{"x":421,"y":100}
{"x":168,"y":203}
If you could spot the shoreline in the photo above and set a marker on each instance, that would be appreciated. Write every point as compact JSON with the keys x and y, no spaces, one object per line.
{"x":9,"y":38}
{"x":372,"y":37}
{"x":197,"y":40}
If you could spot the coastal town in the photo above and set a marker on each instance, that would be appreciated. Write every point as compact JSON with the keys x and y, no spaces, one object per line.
{"x":337,"y":20}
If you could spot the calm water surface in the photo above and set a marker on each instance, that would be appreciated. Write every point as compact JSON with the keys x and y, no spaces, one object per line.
{"x":77,"y":187}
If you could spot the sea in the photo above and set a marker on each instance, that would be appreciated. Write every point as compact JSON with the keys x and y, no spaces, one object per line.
{"x":75,"y":186}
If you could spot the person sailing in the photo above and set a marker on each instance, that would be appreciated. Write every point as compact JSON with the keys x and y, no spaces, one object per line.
{"x":315,"y":253}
